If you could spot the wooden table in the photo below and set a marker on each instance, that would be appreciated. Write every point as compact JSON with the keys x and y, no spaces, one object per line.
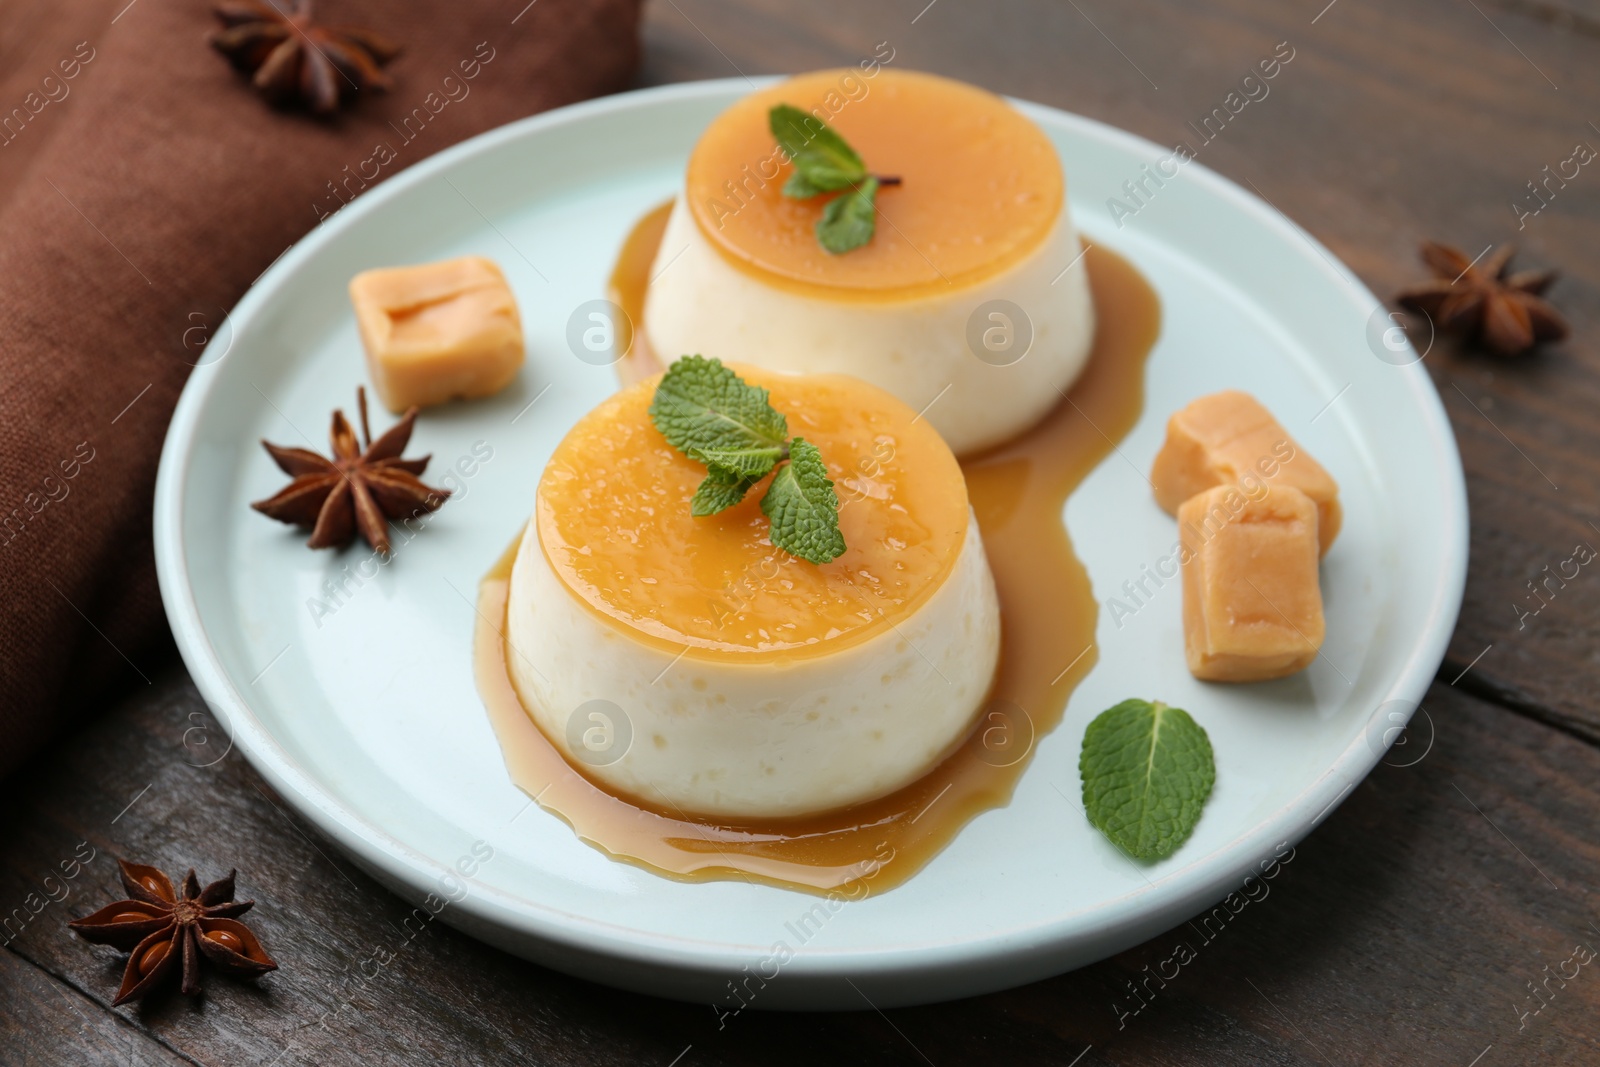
{"x":1410,"y":928}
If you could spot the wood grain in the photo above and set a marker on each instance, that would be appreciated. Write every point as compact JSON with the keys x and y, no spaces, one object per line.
{"x":1404,"y":930}
{"x":44,"y":1021}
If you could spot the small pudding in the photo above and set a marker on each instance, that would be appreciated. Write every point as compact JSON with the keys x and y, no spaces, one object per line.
{"x":967,"y":301}
{"x":687,"y":663}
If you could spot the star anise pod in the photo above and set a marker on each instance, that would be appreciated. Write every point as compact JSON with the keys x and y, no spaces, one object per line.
{"x":157,"y":929}
{"x":361,"y":488}
{"x":293,"y":58}
{"x":1483,"y":302}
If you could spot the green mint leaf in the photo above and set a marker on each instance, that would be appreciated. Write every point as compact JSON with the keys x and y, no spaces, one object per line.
{"x":849,"y":219}
{"x":802,"y":506}
{"x":711,"y":415}
{"x":734,"y":463}
{"x":714,"y":417}
{"x":719,"y":492}
{"x":1147,"y":770}
{"x":799,"y":188}
{"x":821,"y":157}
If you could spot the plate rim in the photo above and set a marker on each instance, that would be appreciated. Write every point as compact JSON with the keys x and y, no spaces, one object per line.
{"x":408,"y":872}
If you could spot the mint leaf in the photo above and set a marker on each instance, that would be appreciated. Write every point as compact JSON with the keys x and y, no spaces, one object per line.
{"x":822,"y":159}
{"x":733,"y":463}
{"x":1147,"y":770}
{"x":708,"y":413}
{"x":715,"y":417}
{"x":824,"y":163}
{"x":799,"y":188}
{"x":802,"y":506}
{"x":719,"y":492}
{"x":849,"y":219}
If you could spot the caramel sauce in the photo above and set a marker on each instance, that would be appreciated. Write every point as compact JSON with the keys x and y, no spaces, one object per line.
{"x":1048,"y":613}
{"x":1007,"y":176}
{"x":714,"y":584}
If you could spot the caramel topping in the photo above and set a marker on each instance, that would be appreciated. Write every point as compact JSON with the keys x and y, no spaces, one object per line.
{"x":981,"y":185}
{"x":613,"y":519}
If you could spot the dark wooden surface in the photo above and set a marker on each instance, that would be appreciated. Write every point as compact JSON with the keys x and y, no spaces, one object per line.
{"x":1407,"y":928}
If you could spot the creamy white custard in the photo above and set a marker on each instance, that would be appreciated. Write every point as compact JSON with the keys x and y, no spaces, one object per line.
{"x":689,"y":664}
{"x":712,"y":735}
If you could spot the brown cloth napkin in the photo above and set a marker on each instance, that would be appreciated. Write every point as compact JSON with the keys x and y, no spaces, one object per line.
{"x":142,"y":195}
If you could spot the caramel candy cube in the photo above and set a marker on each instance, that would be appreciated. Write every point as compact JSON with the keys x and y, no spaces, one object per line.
{"x":1252,"y":606}
{"x":437,"y":331}
{"x":1228,"y":438}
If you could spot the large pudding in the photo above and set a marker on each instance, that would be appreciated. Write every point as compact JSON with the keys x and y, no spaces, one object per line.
{"x":689,"y":664}
{"x":965,"y":301}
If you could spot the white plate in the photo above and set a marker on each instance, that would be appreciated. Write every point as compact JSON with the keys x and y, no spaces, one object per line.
{"x":367,"y":720}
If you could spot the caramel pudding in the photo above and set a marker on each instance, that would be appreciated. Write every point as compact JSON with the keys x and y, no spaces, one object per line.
{"x":1047,"y":641}
{"x":686,"y":662}
{"x":962,"y":303}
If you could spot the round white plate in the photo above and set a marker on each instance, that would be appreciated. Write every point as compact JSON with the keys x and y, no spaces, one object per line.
{"x":355,"y":698}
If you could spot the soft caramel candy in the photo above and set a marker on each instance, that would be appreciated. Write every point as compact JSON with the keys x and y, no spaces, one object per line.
{"x":1252,"y":607}
{"x":437,"y":331}
{"x":1228,"y":438}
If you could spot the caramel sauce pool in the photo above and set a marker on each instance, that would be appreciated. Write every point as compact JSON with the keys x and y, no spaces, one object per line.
{"x":1048,"y":614}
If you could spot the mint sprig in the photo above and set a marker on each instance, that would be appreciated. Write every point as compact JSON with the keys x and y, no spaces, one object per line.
{"x":714,"y":417}
{"x":801,"y":503}
{"x":709,"y":414}
{"x":825,"y":163}
{"x":1147,"y":770}
{"x":848,"y":220}
{"x":718,"y":492}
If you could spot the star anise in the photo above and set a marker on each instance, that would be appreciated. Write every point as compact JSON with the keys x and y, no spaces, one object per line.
{"x":361,"y":488}
{"x":293,"y":58}
{"x":1483,"y":302}
{"x":157,"y":929}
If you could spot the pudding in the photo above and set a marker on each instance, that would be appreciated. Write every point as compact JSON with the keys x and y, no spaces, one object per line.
{"x":688,"y":664}
{"x":969,"y":299}
{"x":1017,"y":493}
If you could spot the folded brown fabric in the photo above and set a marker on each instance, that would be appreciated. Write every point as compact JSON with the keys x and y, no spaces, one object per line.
{"x":145,"y":186}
